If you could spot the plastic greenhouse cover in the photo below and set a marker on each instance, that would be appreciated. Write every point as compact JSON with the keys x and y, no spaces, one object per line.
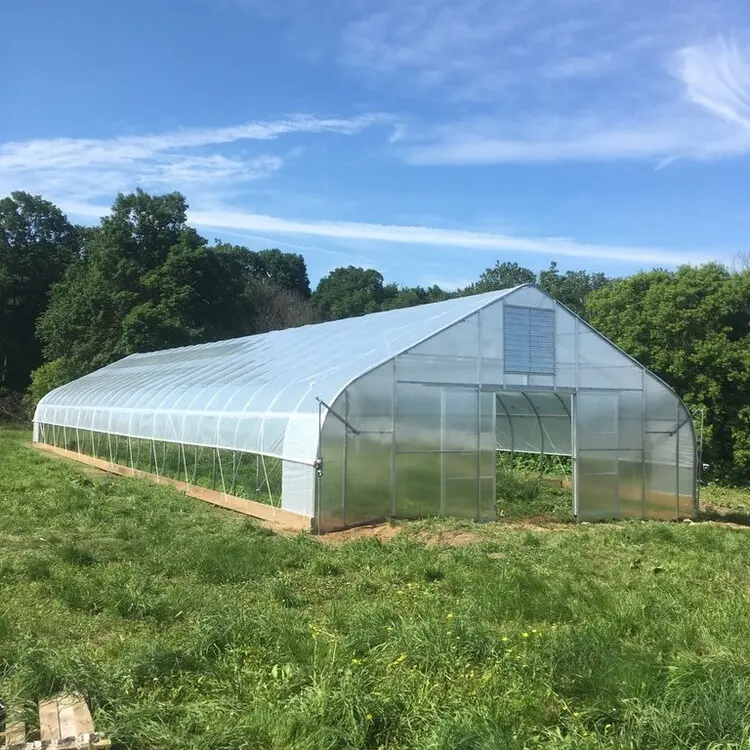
{"x":257,"y":393}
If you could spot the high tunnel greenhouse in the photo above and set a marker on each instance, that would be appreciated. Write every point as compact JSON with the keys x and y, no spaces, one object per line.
{"x":395,"y":414}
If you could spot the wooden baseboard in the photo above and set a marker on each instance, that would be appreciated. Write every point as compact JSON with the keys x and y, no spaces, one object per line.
{"x":274,"y":517}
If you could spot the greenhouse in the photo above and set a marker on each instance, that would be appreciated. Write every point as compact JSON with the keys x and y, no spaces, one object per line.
{"x":397,"y":414}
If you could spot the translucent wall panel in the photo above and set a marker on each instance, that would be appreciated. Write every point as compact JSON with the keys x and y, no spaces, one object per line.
{"x":460,"y":415}
{"x":687,"y":458}
{"x":368,"y":478}
{"x":445,"y":451}
{"x":418,"y":417}
{"x":418,"y":484}
{"x":565,"y":348}
{"x":460,"y":486}
{"x":330,"y":510}
{"x":608,"y":481}
{"x":451,"y":356}
{"x":298,"y":488}
{"x":661,"y":450}
{"x":369,"y":409}
{"x":601,"y":365}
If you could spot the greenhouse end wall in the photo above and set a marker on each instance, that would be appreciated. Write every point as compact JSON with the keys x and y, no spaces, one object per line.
{"x":417,"y":436}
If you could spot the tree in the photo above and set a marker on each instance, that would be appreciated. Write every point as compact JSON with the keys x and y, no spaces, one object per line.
{"x":347,"y":293}
{"x":571,"y":288}
{"x":37,"y":243}
{"x":286,"y":271}
{"x":412,"y":296}
{"x":692,"y":328}
{"x":145,"y":281}
{"x":500,"y":276}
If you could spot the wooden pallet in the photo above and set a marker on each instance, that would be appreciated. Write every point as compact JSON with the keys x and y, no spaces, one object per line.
{"x":65,"y":723}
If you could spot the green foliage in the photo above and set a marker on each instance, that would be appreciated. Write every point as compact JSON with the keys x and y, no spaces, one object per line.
{"x":691,"y":327}
{"x":148,"y":281}
{"x":348,"y":292}
{"x":573,"y":287}
{"x":188,"y":627}
{"x":45,"y":379}
{"x":501,"y":276}
{"x":37,"y":243}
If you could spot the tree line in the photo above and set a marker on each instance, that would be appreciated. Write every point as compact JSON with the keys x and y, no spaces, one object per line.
{"x":74,"y":298}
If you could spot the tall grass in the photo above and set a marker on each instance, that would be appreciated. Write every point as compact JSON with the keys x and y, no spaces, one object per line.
{"x":187,"y":627}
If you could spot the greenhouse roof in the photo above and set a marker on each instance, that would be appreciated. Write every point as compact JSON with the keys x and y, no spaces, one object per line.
{"x":274,"y":379}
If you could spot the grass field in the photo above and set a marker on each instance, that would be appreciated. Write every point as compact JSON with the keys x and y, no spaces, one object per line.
{"x":188,"y":627}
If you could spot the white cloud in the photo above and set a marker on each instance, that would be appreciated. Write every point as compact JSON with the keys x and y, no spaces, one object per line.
{"x":708,"y":117}
{"x":717,"y":78}
{"x":559,"y":80}
{"x":83,"y":169}
{"x":452,"y":239}
{"x":81,"y":152}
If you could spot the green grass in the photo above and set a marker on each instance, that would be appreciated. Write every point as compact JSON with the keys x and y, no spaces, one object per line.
{"x":521,"y":493}
{"x":188,"y":627}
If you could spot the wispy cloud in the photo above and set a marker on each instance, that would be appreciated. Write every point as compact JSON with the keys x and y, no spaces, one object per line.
{"x":87,"y":168}
{"x":717,"y":78}
{"x":707,"y":116}
{"x":559,"y":80}
{"x":443,"y":238}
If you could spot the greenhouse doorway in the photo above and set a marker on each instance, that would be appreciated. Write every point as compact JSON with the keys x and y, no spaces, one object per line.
{"x":534,"y":433}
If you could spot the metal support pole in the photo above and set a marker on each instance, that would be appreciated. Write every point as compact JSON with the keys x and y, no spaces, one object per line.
{"x":574,"y":452}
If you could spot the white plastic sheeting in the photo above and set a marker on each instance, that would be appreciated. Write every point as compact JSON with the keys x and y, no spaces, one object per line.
{"x":256,"y":394}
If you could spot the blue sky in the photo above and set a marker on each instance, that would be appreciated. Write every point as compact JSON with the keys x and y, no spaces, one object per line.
{"x":426,"y":138}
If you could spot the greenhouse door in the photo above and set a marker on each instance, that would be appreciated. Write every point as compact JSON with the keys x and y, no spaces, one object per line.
{"x":608,"y":455}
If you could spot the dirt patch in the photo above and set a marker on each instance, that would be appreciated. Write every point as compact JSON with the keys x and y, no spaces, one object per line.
{"x":448,"y":538}
{"x":382,"y":531}
{"x":435,"y":536}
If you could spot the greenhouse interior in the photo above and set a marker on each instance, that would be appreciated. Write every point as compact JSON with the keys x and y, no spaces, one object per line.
{"x":398,"y":414}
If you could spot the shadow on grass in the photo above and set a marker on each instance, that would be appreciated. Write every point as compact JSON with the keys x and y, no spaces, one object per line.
{"x":738,"y":517}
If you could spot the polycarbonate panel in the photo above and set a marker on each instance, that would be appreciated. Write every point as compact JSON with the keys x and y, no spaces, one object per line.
{"x":460,"y":420}
{"x":630,"y":481}
{"x":460,"y":340}
{"x":418,"y":484}
{"x":330,"y":510}
{"x":430,"y":368}
{"x":263,"y":388}
{"x":370,"y":401}
{"x":418,"y":417}
{"x":460,"y":488}
{"x":662,"y":474}
{"x":491,"y":333}
{"x":368,"y":478}
{"x":598,"y":485}
{"x":630,"y":419}
{"x":597,"y":421}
